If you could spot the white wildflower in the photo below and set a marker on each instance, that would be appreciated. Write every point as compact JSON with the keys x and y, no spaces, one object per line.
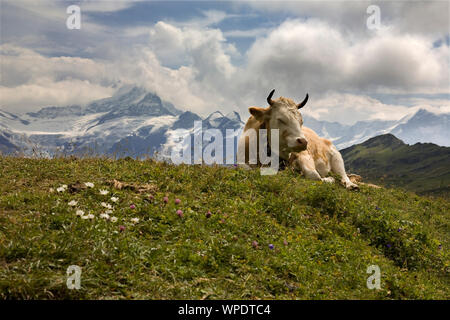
{"x":108,"y":211}
{"x":85,"y":217}
{"x":135,"y":220}
{"x":90,"y":216}
{"x":89,"y":184}
{"x":79,"y":213}
{"x":51,"y":190}
{"x":114,"y":199}
{"x":104,"y":216}
{"x":113,"y":219}
{"x":106,"y":205}
{"x":73,"y":203}
{"x":60,"y":189}
{"x":104,"y":192}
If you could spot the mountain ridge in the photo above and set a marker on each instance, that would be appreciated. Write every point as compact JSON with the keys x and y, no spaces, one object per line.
{"x":138,"y":116}
{"x":387,"y":160}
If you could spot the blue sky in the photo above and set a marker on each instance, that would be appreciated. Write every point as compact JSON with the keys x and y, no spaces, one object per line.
{"x":227,"y":55}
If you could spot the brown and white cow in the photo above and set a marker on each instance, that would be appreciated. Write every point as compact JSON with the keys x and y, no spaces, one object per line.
{"x":299,"y":146}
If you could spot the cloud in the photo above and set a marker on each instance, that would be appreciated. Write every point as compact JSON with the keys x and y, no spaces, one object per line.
{"x":106,"y":5}
{"x":204,"y":51}
{"x":25,"y":66}
{"x":249,"y":33}
{"x":30,"y":80}
{"x":56,"y":9}
{"x":311,"y":55}
{"x":207,"y":19}
{"x":350,"y":108}
{"x":418,"y":17}
{"x":191,"y":64}
{"x":30,"y":97}
{"x":141,"y":66}
{"x":403,"y":63}
{"x":41,"y":26}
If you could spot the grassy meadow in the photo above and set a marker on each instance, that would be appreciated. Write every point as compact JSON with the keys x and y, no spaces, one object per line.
{"x":266,"y":237}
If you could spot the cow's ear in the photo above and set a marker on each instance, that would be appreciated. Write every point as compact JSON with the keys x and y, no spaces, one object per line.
{"x":258,"y":113}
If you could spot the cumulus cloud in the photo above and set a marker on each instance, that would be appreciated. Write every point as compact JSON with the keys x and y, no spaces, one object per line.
{"x":30,"y":80}
{"x":141,"y":66}
{"x":202,"y":51}
{"x":311,"y":55}
{"x":205,"y":49}
{"x":401,"y":63}
{"x":24,"y":66}
{"x":31,"y":97}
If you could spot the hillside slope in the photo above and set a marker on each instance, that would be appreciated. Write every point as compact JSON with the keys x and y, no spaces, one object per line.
{"x":268,"y":237}
{"x":422,"y":167}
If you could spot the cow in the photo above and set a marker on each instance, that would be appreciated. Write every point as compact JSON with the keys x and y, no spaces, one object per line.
{"x":299,"y":146}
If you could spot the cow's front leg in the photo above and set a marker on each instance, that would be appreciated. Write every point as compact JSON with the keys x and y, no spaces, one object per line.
{"x":337,"y":166}
{"x":304,"y":162}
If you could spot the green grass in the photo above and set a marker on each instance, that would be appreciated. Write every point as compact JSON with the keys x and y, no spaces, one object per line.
{"x":332,"y":235}
{"x":423,"y":167}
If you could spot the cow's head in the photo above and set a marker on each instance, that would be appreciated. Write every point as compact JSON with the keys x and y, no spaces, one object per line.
{"x":283,"y":114}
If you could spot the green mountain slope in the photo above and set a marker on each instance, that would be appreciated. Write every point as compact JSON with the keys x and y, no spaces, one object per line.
{"x":386,"y":160}
{"x":268,"y":237}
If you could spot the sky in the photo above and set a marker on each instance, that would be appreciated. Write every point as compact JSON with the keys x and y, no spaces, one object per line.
{"x":228,"y":55}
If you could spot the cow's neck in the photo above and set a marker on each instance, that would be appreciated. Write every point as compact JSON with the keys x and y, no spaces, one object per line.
{"x":281,"y":161}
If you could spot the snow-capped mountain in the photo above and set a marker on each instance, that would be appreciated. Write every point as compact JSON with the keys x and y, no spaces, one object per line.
{"x":422,"y":126}
{"x":425,"y":126}
{"x":135,"y":122}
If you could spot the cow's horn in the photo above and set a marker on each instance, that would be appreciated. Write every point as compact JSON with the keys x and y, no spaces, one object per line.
{"x":269,"y":98}
{"x":302,"y":104}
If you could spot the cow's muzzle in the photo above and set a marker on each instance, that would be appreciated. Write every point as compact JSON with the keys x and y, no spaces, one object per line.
{"x":302,"y":143}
